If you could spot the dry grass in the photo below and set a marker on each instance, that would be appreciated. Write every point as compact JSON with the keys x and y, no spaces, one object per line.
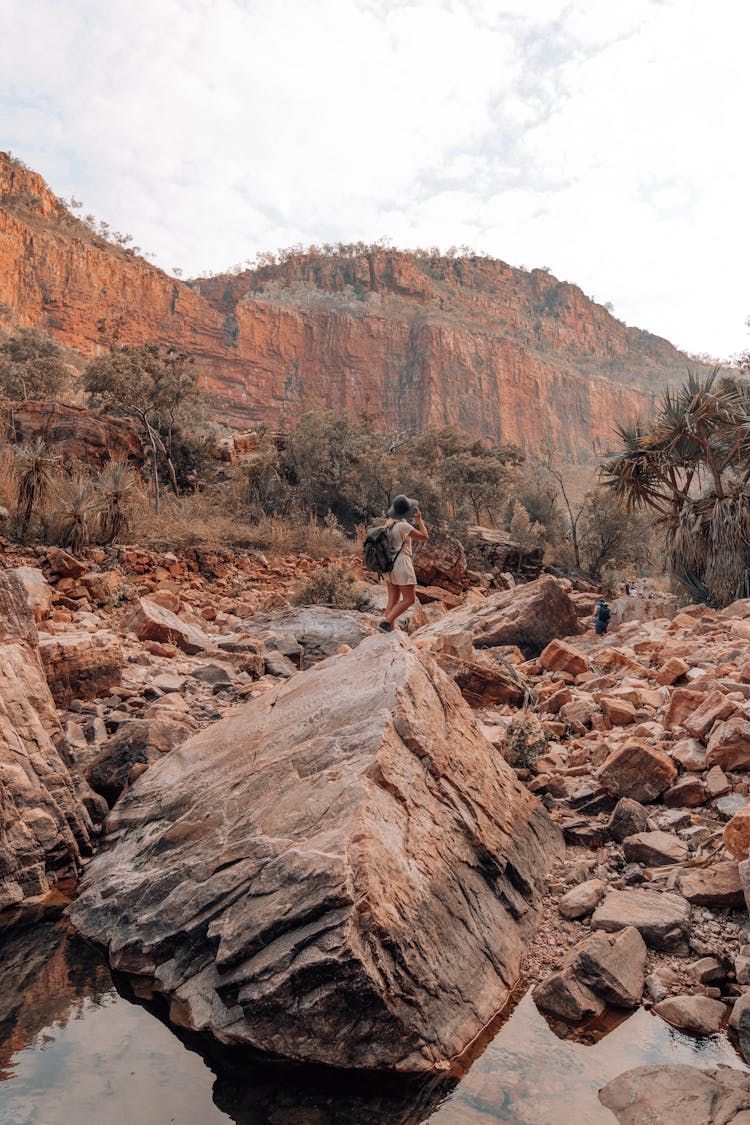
{"x":200,"y":520}
{"x":334,"y":585}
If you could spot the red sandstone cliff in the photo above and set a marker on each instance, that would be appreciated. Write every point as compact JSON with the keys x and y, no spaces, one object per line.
{"x":422,"y":339}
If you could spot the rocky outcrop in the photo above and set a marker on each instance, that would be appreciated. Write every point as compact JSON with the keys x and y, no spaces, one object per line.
{"x":418,"y":339}
{"x":529,"y":616}
{"x":43,"y":825}
{"x":77,"y":433}
{"x":341,"y":872}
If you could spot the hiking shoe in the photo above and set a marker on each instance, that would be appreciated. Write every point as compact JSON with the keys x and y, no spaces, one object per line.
{"x":385,"y":627}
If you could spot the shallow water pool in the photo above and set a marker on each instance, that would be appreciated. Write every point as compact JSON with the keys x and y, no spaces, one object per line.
{"x":73,"y":1049}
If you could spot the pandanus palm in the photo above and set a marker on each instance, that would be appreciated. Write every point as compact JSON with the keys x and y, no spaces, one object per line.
{"x":115,"y":486}
{"x":690,"y":464}
{"x":33,"y":466}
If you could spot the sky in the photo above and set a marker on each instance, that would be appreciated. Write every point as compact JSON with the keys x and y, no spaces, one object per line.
{"x":604,"y":141}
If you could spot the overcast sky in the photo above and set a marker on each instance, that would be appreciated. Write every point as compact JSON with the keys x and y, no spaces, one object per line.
{"x":606,"y":141}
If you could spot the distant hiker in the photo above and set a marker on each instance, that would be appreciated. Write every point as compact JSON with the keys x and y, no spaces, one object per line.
{"x":633,"y":590}
{"x":401,"y":581}
{"x":644,"y":588}
{"x":602,"y":615}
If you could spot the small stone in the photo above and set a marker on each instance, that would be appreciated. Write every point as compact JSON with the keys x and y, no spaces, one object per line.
{"x":582,"y":900}
{"x":717,"y":782}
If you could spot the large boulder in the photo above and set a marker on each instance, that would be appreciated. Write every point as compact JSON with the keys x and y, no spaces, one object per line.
{"x":440,"y":561}
{"x":343,"y":871}
{"x":44,"y":827}
{"x":81,"y":665}
{"x":529,"y":616}
{"x":662,"y":1095}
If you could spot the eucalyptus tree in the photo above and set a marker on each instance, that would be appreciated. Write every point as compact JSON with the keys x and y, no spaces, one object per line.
{"x":690,"y":465}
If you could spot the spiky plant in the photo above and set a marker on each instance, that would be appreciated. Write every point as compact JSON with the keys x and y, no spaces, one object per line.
{"x":33,"y":473}
{"x":76,"y":506}
{"x":690,"y":464}
{"x":115,"y":487}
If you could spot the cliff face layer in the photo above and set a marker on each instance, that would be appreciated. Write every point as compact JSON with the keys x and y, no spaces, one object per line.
{"x":417,"y":339}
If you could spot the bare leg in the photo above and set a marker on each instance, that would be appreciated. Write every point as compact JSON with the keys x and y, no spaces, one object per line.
{"x":406,"y":598}
{"x":393,"y":596}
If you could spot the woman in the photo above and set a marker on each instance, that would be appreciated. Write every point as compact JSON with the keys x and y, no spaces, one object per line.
{"x":402,"y":581}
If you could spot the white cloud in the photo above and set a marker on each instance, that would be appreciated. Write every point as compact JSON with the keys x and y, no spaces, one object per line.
{"x":604,"y":141}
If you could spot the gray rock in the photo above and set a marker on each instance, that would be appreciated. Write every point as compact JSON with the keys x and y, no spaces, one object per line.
{"x":276,"y":664}
{"x":342,"y":872}
{"x":136,"y":741}
{"x":708,"y":970}
{"x":628,"y":817}
{"x":562,"y":995}
{"x":582,"y":900}
{"x":663,"y":920}
{"x":733,"y":803}
{"x":611,"y":965}
{"x":655,"y":849}
{"x":740,"y":1022}
{"x":316,"y":631}
{"x":697,"y":1014}
{"x":664,"y":1095}
{"x":213,"y":674}
{"x":719,"y":885}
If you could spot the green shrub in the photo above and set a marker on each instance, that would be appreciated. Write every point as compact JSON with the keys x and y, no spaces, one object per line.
{"x":525,"y":740}
{"x":333,"y":585}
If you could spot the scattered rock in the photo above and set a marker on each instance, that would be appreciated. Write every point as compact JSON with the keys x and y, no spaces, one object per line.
{"x":529,"y":616}
{"x":440,"y":561}
{"x":563,"y":996}
{"x":718,"y":885}
{"x":697,"y":1014}
{"x":139,"y":740}
{"x":559,"y":656}
{"x":663,"y":920}
{"x":638,"y":771}
{"x":153,"y":622}
{"x":38,"y":591}
{"x":737,"y":834}
{"x":628,"y":818}
{"x":582,"y":900}
{"x":655,"y":849}
{"x":612,"y":966}
{"x":729,"y":745}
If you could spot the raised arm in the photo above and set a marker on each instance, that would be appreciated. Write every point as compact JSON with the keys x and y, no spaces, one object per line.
{"x":419,"y":533}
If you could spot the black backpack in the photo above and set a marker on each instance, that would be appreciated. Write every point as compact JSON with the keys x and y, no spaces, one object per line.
{"x":603,"y":613}
{"x":376,"y":551}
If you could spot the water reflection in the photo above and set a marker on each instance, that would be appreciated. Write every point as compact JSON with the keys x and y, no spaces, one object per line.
{"x":73,"y":1048}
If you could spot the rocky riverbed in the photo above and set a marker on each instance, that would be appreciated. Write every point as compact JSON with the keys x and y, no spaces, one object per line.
{"x":128,"y":675}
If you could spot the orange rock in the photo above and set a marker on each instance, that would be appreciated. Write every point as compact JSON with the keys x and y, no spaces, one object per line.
{"x":714,"y":708}
{"x":673,"y":670}
{"x":682,"y":703}
{"x":559,"y":656}
{"x":638,"y":771}
{"x":619,"y":711}
{"x":737,"y":834}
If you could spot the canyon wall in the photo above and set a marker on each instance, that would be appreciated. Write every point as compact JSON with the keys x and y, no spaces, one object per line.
{"x":415,"y":339}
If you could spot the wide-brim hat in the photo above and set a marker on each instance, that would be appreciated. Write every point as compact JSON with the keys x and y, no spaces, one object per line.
{"x":402,"y":508}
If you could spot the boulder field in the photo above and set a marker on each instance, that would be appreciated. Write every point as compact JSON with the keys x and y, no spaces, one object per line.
{"x":343,"y":871}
